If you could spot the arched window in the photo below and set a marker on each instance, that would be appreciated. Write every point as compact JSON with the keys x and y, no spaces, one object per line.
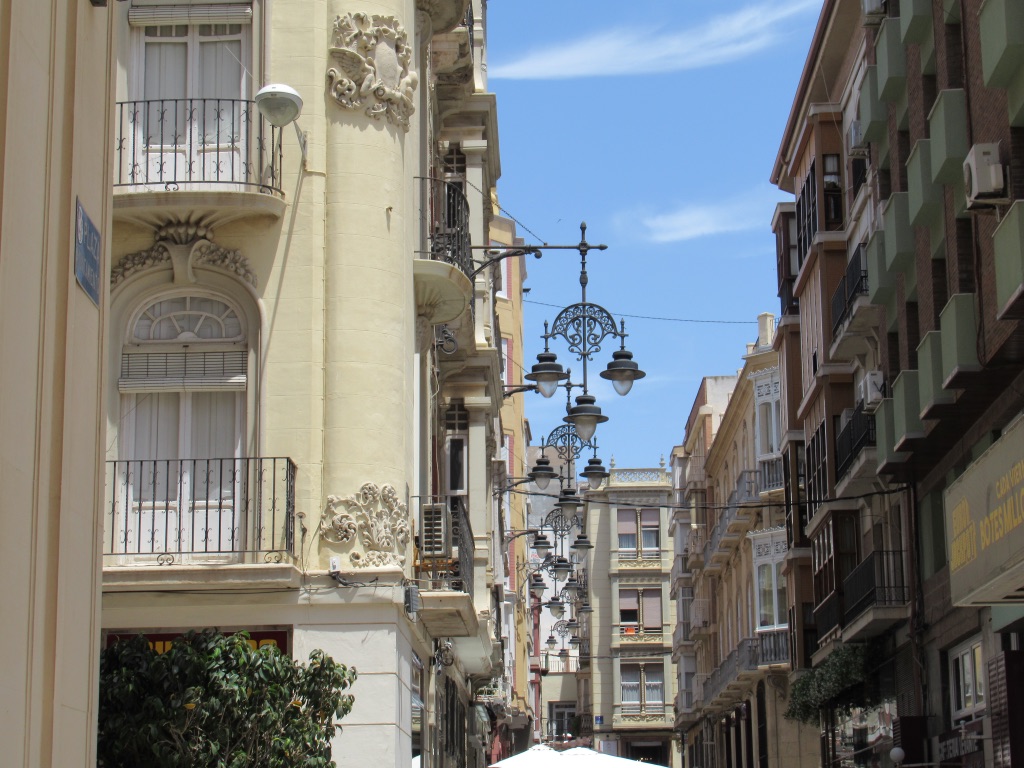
{"x":183,"y":476}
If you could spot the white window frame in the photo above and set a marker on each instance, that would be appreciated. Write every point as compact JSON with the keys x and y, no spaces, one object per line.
{"x":193,"y":17}
{"x":769,"y":550}
{"x":967,"y":668}
{"x":184,"y":386}
{"x":767,"y":426}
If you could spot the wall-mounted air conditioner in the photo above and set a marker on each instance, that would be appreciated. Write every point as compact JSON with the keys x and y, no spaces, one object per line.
{"x":984,"y":179}
{"x":871,"y":390}
{"x":874,"y":10}
{"x":435,"y":531}
{"x":856,"y":146}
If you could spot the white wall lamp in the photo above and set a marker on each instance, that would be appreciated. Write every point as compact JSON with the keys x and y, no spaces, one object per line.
{"x":280,"y":105}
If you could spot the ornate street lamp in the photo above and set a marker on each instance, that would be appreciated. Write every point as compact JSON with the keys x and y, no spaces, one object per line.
{"x":584,"y":326}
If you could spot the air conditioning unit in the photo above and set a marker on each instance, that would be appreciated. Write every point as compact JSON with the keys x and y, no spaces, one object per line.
{"x":856,"y":146}
{"x":435,"y":531}
{"x":984,"y":179}
{"x":874,"y":10}
{"x":871,"y":390}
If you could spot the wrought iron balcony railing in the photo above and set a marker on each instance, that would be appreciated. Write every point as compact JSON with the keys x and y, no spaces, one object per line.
{"x":199,"y":144}
{"x":851,"y":285}
{"x":199,"y":511}
{"x":448,"y":224}
{"x":877,"y":581}
{"x":445,"y":545}
{"x":858,"y":434}
{"x":828,"y":615}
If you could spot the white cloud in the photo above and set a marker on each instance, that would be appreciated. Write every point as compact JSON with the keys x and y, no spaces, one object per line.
{"x":636,"y":50}
{"x":750,"y":211}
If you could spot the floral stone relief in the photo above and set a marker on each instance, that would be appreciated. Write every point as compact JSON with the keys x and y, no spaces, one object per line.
{"x":182,"y":247}
{"x":373,"y":518}
{"x":371,"y":57}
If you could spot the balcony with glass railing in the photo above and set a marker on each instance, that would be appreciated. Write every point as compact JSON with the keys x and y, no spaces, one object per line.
{"x":199,"y":512}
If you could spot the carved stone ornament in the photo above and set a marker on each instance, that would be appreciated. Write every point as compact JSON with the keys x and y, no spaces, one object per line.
{"x":371,"y":67}
{"x":212,"y":255}
{"x":181,"y":248}
{"x":138,"y":262}
{"x":444,"y":14}
{"x":379,"y":518}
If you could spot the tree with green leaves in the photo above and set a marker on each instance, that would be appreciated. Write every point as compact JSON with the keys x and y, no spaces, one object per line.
{"x":213,"y":701}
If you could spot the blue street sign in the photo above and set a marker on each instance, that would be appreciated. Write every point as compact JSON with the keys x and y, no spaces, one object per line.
{"x":87,"y":253}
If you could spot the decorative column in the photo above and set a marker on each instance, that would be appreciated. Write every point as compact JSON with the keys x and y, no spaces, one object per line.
{"x":370,"y":318}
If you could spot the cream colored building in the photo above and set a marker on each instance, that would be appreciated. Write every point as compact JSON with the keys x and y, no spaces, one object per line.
{"x":55,"y":205}
{"x":631,"y":675}
{"x":737,"y":622}
{"x":303,"y":378}
{"x":689,"y":480}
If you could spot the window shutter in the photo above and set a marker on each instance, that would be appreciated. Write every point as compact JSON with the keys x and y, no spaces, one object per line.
{"x":178,"y":371}
{"x":627,"y":521}
{"x":628,"y":600}
{"x":650,"y":517}
{"x":652,"y":609}
{"x":220,"y":13}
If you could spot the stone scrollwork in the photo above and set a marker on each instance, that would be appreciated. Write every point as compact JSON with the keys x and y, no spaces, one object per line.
{"x":337,"y":526}
{"x":371,"y":67}
{"x":380,"y":519}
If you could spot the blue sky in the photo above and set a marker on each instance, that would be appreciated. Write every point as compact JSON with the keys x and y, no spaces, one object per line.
{"x":657,"y":122}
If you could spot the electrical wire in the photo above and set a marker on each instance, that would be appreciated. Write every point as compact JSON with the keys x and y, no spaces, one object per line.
{"x":661,"y":319}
